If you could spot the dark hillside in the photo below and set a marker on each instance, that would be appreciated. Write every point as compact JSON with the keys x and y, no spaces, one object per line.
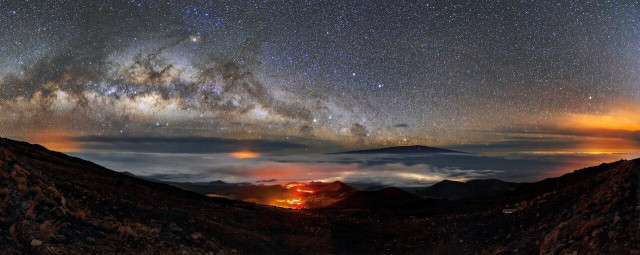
{"x":51,"y":203}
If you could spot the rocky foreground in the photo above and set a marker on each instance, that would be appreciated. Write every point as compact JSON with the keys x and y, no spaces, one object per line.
{"x":54,"y":203}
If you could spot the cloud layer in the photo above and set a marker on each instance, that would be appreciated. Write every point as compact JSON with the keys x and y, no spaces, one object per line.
{"x":402,"y":171}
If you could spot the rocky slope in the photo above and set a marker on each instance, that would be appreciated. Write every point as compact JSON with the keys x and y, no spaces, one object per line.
{"x":51,"y":203}
{"x":594,"y":210}
{"x":453,"y":190}
{"x":379,"y":199}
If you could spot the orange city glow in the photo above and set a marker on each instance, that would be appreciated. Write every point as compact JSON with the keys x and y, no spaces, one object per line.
{"x":305,"y":191}
{"x":55,"y":140}
{"x":611,"y":131}
{"x":616,"y":120}
{"x":245,"y":154}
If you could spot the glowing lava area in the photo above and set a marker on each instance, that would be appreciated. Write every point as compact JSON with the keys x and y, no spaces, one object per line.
{"x":295,"y":203}
{"x":293,"y":185}
{"x":294,"y":200}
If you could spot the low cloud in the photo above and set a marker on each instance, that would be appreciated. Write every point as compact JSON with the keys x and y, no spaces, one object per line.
{"x":400,"y":171}
{"x":183,"y":144}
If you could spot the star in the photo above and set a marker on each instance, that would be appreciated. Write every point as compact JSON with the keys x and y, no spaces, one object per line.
{"x":446,"y":74}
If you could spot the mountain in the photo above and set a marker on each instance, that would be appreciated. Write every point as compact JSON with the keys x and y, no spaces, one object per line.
{"x":379,"y":199}
{"x":335,"y":187}
{"x":326,"y":194}
{"x":54,"y":203}
{"x":218,"y":182}
{"x":402,"y":150}
{"x":594,"y":209}
{"x":453,"y":190}
{"x":51,"y":203}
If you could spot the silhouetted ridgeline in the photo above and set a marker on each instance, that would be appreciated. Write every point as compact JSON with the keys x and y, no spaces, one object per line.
{"x":413,"y":149}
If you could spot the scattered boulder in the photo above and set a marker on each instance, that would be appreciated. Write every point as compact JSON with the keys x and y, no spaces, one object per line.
{"x":36,"y":242}
{"x":25,"y":205}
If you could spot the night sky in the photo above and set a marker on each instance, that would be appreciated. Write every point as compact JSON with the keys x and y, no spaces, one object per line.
{"x":316,"y":76}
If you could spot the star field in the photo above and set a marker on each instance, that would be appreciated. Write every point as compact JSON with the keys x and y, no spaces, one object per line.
{"x":544,"y":75}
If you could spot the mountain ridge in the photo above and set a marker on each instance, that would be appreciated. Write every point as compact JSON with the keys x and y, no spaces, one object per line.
{"x":477,"y":188}
{"x":401,"y":150}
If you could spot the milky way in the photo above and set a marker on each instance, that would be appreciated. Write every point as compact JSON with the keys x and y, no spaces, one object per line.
{"x":319,"y":75}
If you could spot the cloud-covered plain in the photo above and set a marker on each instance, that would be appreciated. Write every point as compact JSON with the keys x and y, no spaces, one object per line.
{"x":402,"y":171}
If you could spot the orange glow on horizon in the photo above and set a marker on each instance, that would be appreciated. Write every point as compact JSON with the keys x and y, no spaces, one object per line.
{"x":619,"y":119}
{"x":608,"y":132}
{"x":245,"y":154}
{"x":56,"y":141}
{"x":607,"y":146}
{"x":597,"y":146}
